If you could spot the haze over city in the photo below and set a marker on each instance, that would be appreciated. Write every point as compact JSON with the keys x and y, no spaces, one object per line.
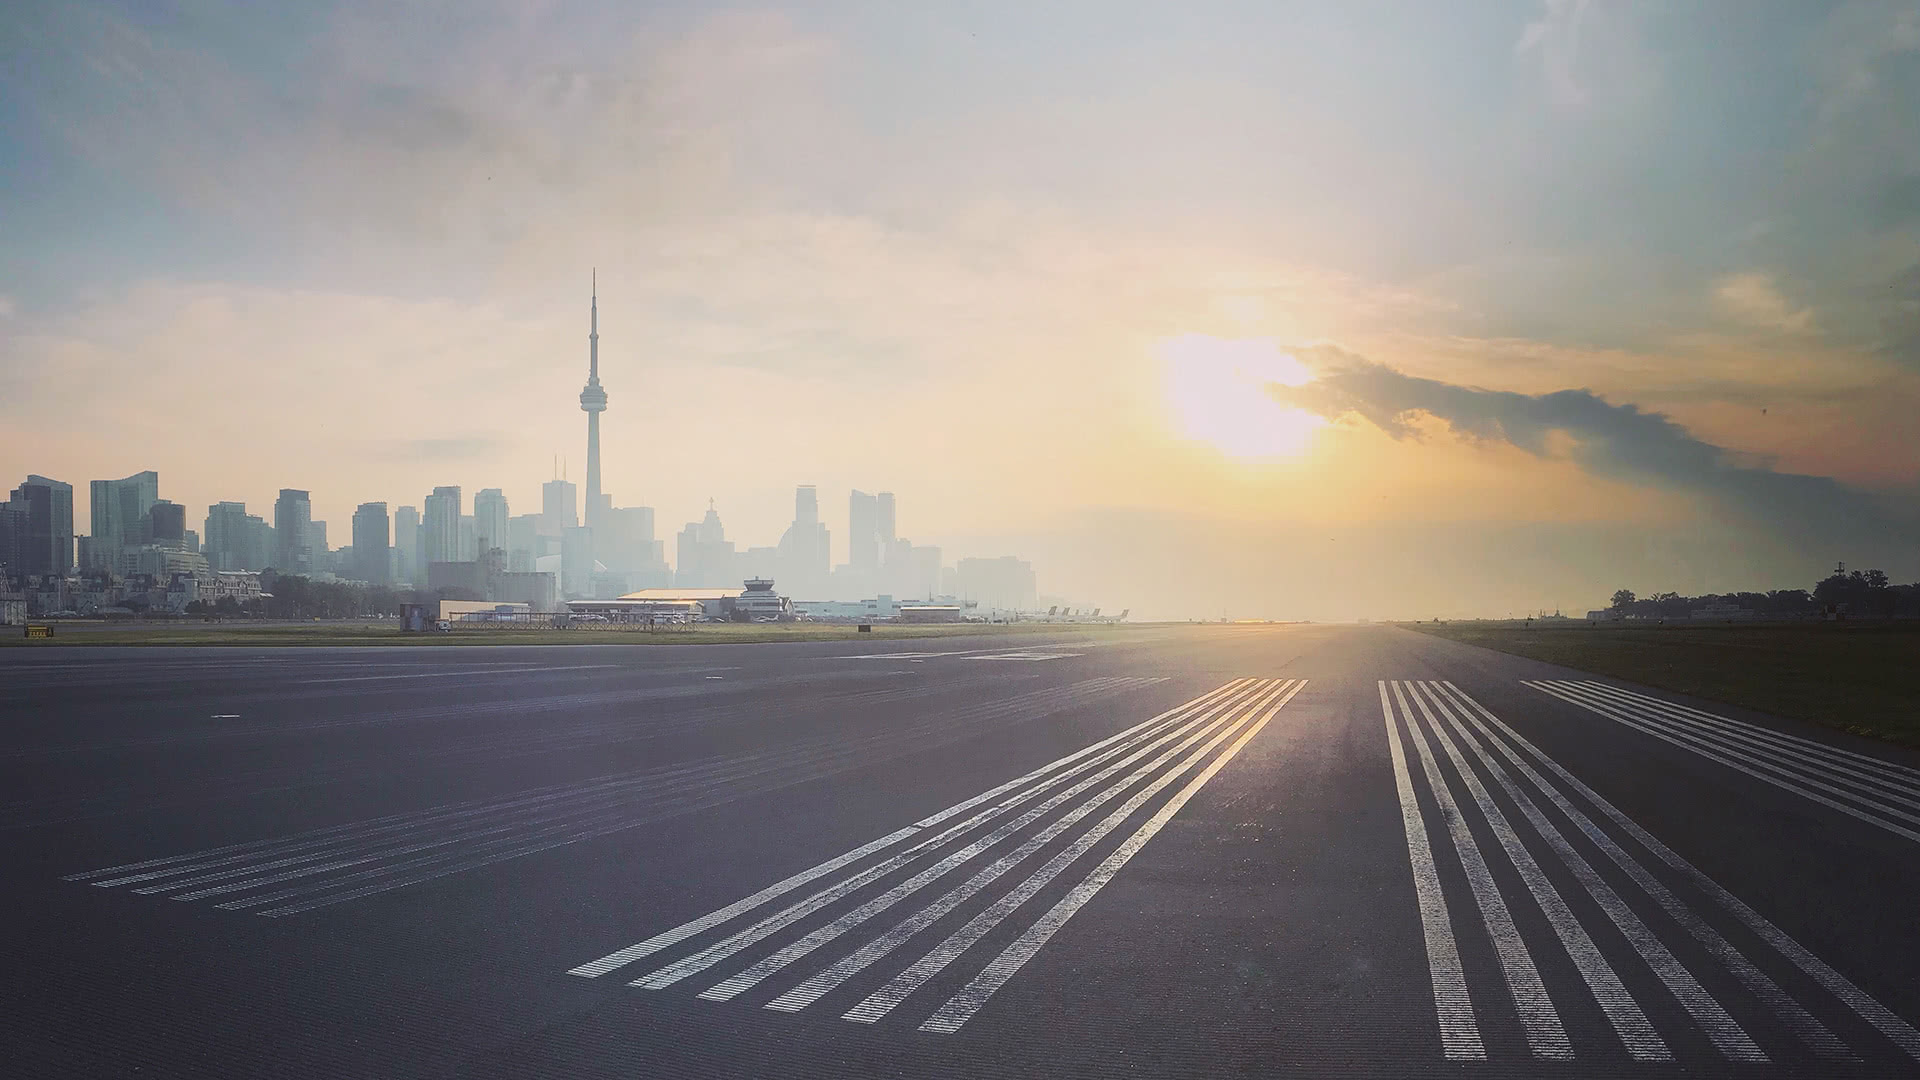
{"x":1562,"y":297}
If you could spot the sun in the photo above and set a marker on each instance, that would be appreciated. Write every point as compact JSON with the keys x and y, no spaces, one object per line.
{"x":1218,"y":392}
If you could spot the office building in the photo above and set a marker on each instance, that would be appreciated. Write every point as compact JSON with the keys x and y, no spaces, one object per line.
{"x":704,"y":557}
{"x":37,"y":522}
{"x":490,"y":520}
{"x":120,"y":511}
{"x":468,"y":543}
{"x":805,"y":548}
{"x":237,"y":540}
{"x":559,"y":505}
{"x":576,"y":562}
{"x":863,"y":532}
{"x":293,"y":532}
{"x":370,"y":543}
{"x":167,"y":523}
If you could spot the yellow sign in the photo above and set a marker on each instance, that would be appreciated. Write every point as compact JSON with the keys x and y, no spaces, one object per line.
{"x":35,"y":630}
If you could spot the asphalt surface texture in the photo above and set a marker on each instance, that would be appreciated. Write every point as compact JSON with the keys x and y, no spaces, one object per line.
{"x":1304,"y":851}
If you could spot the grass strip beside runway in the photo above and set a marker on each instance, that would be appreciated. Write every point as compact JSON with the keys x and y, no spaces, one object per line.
{"x":1856,"y":677}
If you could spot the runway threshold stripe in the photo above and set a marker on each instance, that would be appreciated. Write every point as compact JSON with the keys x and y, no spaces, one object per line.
{"x":1452,"y":1001}
{"x":1734,"y":759}
{"x":732,"y":987}
{"x":1721,"y":1029}
{"x":1057,"y":769}
{"x":963,"y":1005}
{"x":1628,"y":1020}
{"x":1878,"y":785}
{"x":1791,"y":1014}
{"x":772,"y":774}
{"x":1899,"y":774}
{"x":711,"y":955}
{"x":1546,"y":1036}
{"x":1896,"y":1030}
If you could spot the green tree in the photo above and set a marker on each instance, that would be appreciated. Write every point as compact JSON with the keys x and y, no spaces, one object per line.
{"x":1622,"y":600}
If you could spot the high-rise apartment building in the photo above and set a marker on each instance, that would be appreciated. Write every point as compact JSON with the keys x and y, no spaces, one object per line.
{"x":407,"y":547}
{"x":293,"y":532}
{"x":440,"y":527}
{"x":370,"y":543}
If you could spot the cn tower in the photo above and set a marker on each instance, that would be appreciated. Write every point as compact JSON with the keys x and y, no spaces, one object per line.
{"x":593,"y":402}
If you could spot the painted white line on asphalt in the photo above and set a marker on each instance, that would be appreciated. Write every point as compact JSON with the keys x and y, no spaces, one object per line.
{"x":732,"y":987}
{"x":1546,"y":1037}
{"x":823,"y":982}
{"x":1459,"y":1034}
{"x":1055,"y":770}
{"x":1791,"y":1014}
{"x":1900,"y":774}
{"x":882,"y":1001}
{"x":1733,"y":758}
{"x":713,"y":954}
{"x":1893,"y":1027}
{"x":962,"y":1006}
{"x":1726,"y":1035}
{"x":1629,"y":1022}
{"x":1722,"y":731}
{"x":457,"y":674}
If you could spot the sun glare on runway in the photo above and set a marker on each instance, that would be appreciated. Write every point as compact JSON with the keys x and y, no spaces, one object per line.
{"x":1218,"y":390}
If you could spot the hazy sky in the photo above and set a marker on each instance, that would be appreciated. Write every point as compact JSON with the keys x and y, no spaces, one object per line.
{"x":1299,"y":310}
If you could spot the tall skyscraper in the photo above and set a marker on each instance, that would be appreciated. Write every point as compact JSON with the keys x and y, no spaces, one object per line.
{"x":120,"y":511}
{"x":885,"y":525}
{"x":167,"y":523}
{"x":38,"y":517}
{"x":370,"y":561}
{"x":406,"y":543}
{"x":293,"y":532}
{"x":863,"y":531}
{"x":237,"y":540}
{"x":440,"y":530}
{"x":593,"y":402}
{"x":560,"y":505}
{"x":805,"y":548}
{"x":490,"y":520}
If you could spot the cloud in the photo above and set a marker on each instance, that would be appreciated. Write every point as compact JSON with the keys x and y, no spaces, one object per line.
{"x":1555,"y":36}
{"x":1756,"y":298}
{"x":1617,"y":441}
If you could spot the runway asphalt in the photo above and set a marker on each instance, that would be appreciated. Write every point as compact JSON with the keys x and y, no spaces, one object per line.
{"x":1301,"y":851}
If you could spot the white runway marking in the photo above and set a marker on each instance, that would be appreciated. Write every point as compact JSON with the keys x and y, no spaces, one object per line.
{"x":1459,"y":1035}
{"x":1859,"y":786}
{"x":1026,"y":817}
{"x":1493,"y":750}
{"x":322,"y":867}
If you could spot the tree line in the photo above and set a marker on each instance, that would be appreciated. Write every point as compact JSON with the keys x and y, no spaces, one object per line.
{"x":1858,"y":593}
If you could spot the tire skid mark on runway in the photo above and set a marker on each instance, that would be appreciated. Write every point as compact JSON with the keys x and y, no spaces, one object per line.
{"x":333,"y":865}
{"x":1495,"y":751}
{"x":1857,"y":785}
{"x":1022,"y":819}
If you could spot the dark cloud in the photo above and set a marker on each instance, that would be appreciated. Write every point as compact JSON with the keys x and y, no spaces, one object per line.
{"x":1620,"y":441}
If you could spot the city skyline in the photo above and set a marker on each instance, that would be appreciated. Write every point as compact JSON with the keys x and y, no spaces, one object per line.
{"x":1562,"y":296}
